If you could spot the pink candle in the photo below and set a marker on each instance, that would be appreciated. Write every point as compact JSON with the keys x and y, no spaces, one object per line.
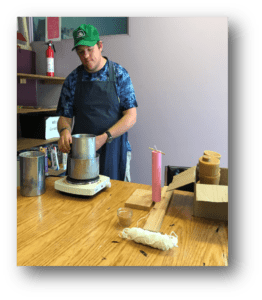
{"x":156,"y":176}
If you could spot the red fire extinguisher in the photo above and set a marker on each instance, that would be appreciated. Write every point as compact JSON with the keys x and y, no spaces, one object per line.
{"x":50,"y":59}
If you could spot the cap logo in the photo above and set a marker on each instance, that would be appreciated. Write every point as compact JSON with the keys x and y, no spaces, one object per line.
{"x":80,"y":34}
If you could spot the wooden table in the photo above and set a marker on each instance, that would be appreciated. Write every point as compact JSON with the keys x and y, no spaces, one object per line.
{"x":58,"y":229}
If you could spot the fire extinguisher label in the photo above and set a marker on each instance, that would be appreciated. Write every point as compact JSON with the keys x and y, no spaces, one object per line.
{"x":50,"y":64}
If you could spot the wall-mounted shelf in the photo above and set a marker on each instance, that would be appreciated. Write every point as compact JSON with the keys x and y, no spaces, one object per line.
{"x":26,"y":143}
{"x":31,"y":109}
{"x":42,"y":78}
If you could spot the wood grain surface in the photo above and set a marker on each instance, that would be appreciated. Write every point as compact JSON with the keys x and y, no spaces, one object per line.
{"x":58,"y":229}
{"x":140,"y":199}
{"x":157,"y":213}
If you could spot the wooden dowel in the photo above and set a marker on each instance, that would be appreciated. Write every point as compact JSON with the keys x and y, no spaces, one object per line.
{"x":156,"y":150}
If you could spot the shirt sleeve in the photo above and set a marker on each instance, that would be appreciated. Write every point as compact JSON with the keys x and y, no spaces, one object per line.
{"x":66,"y":100}
{"x":125,"y":88}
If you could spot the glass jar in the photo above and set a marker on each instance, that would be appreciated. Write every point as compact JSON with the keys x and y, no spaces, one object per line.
{"x":124,"y":216}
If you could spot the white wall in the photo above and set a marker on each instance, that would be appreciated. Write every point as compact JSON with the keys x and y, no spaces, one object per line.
{"x":179,"y":69}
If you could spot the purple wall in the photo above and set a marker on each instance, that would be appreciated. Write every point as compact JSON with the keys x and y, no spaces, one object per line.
{"x":26,"y":63}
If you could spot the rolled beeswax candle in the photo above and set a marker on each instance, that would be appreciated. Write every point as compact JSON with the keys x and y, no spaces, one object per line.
{"x":208,"y":166}
{"x":156,"y":176}
{"x":212,"y":153}
{"x":210,"y":179}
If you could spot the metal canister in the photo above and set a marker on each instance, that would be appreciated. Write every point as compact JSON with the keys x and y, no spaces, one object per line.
{"x":32,"y":173}
{"x":83,"y":146}
{"x":82,"y":169}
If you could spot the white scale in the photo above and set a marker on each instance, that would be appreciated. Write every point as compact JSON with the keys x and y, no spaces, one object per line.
{"x":87,"y":189}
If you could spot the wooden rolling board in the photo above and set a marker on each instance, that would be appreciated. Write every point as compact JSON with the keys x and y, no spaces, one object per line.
{"x":140,"y":199}
{"x":157,"y":213}
{"x":182,"y":179}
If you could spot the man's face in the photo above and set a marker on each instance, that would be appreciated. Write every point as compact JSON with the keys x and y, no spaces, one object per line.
{"x":91,"y":57}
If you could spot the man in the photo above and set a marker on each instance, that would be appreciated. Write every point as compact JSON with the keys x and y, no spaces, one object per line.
{"x":100,"y":95}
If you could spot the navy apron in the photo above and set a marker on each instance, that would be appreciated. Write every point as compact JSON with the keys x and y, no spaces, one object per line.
{"x":96,"y":109}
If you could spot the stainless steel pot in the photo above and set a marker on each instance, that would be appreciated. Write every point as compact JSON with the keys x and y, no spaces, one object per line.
{"x":83,"y":146}
{"x":32,"y":173}
{"x":83,"y":168}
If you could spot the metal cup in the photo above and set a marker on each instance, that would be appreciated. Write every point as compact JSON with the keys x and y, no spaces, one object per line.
{"x":83,"y":146}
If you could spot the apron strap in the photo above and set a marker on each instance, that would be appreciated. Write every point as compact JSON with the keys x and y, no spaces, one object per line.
{"x":112,"y":75}
{"x":80,"y":74}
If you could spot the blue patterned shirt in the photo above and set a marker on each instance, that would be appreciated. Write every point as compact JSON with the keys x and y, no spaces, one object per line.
{"x":124,"y":88}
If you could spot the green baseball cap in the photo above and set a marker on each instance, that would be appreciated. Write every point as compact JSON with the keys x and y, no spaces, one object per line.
{"x":86,"y":35}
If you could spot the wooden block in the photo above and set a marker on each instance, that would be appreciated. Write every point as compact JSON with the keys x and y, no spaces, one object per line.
{"x":140,"y":199}
{"x":182,"y":179}
{"x":157,"y":213}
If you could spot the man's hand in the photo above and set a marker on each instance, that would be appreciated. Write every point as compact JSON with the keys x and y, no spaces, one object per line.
{"x":65,"y":141}
{"x":100,"y":140}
